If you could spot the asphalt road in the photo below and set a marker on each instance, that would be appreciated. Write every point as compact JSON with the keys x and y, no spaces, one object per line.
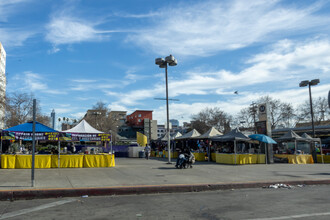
{"x":307,"y":202}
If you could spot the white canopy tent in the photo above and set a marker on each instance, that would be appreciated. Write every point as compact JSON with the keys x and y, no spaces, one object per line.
{"x":83,"y":127}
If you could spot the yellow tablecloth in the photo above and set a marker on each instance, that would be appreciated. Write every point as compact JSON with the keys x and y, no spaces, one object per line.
{"x":25,"y":161}
{"x":247,"y":159}
{"x":326,"y":158}
{"x":99,"y":160}
{"x":226,"y":158}
{"x":261,"y":158}
{"x":240,"y":158}
{"x":51,"y":161}
{"x":199,"y":156}
{"x":68,"y":161}
{"x":175,"y":155}
{"x":8,"y":161}
{"x":297,"y":159}
{"x":213,"y":157}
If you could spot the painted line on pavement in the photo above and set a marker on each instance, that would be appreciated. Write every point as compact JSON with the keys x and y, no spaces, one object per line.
{"x":294,"y":216}
{"x":38,"y":208}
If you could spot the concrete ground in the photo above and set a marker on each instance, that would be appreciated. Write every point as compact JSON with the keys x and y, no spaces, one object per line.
{"x":137,"y":172}
{"x":308,"y":202}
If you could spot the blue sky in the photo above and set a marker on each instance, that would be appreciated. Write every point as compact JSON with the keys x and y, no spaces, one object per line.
{"x":71,"y":54}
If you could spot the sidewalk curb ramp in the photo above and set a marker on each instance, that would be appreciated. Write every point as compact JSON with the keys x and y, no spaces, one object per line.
{"x":143,"y":189}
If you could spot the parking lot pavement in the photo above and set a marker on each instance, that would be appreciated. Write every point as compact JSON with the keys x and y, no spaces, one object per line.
{"x":132,"y":173}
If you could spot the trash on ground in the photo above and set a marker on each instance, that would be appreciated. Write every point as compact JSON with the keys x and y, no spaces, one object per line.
{"x":280,"y":185}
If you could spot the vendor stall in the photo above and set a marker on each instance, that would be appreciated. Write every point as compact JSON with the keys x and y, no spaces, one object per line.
{"x":294,"y":148}
{"x":320,"y":158}
{"x":211,"y":133}
{"x":174,"y":154}
{"x":188,"y":139}
{"x":228,"y":153}
{"x":82,"y":132}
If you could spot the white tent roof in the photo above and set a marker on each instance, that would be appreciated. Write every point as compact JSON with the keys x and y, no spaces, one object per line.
{"x":172,"y":137}
{"x":191,"y":134}
{"x":212,"y":132}
{"x":83,"y":127}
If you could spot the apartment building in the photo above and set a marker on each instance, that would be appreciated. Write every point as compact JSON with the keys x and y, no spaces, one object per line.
{"x":2,"y":85}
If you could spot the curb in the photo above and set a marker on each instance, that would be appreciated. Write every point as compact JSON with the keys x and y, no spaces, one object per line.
{"x":135,"y":190}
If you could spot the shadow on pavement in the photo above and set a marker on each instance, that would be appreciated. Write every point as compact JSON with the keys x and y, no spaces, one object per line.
{"x":166,"y":168}
{"x":320,"y":174}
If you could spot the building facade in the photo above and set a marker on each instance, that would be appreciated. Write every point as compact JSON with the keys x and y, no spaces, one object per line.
{"x":119,"y":116}
{"x":136,"y":119}
{"x":2,"y":85}
{"x":150,"y":129}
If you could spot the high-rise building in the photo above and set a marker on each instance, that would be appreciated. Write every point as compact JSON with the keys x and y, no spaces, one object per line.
{"x":2,"y":85}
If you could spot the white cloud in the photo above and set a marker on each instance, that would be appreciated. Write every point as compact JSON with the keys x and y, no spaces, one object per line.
{"x":276,"y":73}
{"x":205,"y":28}
{"x":12,"y":36}
{"x":34,"y":82}
{"x":78,"y":115}
{"x":68,"y":30}
{"x":92,"y":85}
{"x":9,"y":7}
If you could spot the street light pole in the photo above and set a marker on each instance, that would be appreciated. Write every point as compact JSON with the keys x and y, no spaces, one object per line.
{"x":304,"y":83}
{"x":311,"y":105}
{"x":171,"y":61}
{"x":168,"y":120}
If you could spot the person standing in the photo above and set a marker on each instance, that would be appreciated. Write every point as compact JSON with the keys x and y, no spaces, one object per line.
{"x":147,"y":151}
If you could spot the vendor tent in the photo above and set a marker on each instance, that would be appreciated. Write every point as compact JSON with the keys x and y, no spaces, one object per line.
{"x":172,"y":137}
{"x":306,"y":136}
{"x":27,"y":127}
{"x":294,"y":137}
{"x":212,"y":132}
{"x":25,"y":132}
{"x":83,"y":127}
{"x":290,"y":136}
{"x":190,"y":135}
{"x":234,"y":135}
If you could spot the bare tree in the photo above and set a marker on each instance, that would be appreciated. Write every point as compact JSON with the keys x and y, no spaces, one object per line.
{"x":246,"y":118}
{"x":281,"y":114}
{"x":19,"y":110}
{"x":100,"y":118}
{"x":211,"y":117}
{"x":289,"y":116}
{"x":320,"y":111}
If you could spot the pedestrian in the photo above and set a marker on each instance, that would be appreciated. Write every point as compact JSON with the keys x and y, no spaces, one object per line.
{"x":147,"y":151}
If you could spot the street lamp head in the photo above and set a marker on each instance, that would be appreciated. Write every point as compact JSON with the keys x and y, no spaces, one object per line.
{"x":303,"y":83}
{"x":159,"y":61}
{"x":163,"y":65}
{"x":174,"y":63}
{"x":314,"y":82}
{"x":169,"y":59}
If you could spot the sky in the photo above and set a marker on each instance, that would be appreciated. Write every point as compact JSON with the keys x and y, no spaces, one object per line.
{"x":71,"y":54}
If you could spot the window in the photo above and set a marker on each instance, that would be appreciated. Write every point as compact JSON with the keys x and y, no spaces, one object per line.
{"x":139,"y":116}
{"x":139,"y":120}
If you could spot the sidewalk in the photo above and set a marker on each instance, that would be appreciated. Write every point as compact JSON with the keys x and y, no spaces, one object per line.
{"x":137,"y":175}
